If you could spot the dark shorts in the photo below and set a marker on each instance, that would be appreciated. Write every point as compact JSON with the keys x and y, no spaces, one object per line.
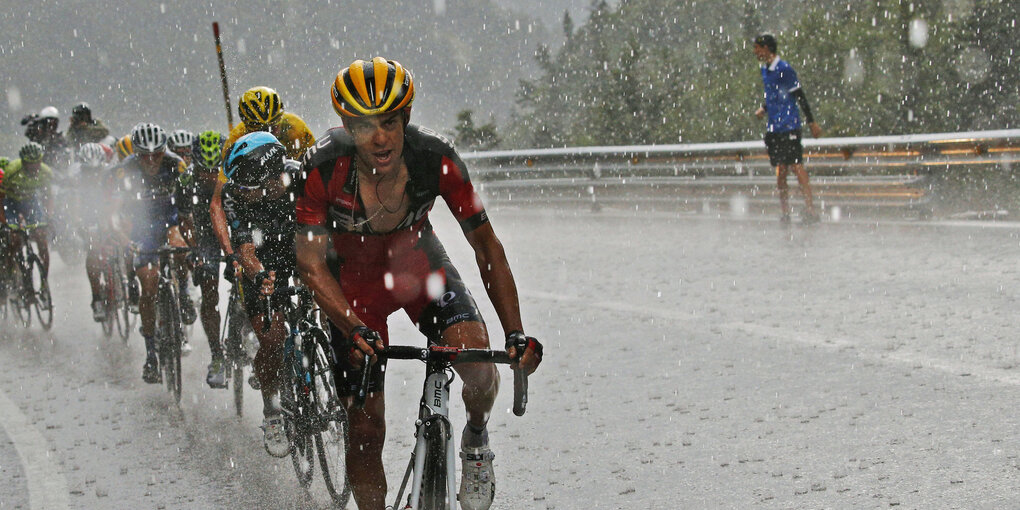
{"x":31,"y":209}
{"x":784,"y":148}
{"x":150,"y":237}
{"x":454,"y":306}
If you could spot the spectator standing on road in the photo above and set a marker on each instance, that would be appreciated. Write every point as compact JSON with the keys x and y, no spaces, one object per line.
{"x":782,"y":133}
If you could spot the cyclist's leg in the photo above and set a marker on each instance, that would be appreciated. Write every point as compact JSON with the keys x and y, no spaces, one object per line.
{"x":481,"y":380}
{"x":148,"y":276}
{"x":367,"y":436}
{"x":41,"y":238}
{"x":453,"y":319}
{"x":269,"y":358}
{"x":210,"y":312}
{"x":94,"y":268}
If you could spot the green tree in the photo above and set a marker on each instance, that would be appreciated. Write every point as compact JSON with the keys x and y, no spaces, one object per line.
{"x":467,"y":136}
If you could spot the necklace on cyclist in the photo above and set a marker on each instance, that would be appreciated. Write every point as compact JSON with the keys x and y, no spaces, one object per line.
{"x":382,"y":205}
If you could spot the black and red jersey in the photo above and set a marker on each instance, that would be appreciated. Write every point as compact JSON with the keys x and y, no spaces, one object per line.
{"x":406,"y":268}
{"x":433,"y":166}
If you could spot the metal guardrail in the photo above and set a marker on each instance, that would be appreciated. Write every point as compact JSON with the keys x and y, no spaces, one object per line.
{"x":861,"y":172}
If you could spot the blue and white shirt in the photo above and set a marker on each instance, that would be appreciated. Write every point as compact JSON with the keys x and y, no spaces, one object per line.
{"x":780,"y":82}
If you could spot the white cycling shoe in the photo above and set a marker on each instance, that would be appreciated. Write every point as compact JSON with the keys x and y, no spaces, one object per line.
{"x":275,"y":439}
{"x":478,"y":481}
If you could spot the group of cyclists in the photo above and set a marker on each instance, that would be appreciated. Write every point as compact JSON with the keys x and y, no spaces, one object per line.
{"x":346,"y":215}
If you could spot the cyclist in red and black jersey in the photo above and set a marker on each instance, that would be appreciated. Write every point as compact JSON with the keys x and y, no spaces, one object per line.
{"x":369,"y":186}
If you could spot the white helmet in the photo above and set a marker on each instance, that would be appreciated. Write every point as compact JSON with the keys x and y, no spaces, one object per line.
{"x":50,"y":112}
{"x":147,"y":137}
{"x":181,"y":139}
{"x":93,"y":155}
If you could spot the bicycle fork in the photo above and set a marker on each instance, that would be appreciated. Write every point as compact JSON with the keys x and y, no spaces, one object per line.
{"x":435,"y":405}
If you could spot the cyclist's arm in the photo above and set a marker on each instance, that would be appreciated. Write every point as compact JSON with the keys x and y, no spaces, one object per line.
{"x":311,"y":244}
{"x":219,"y":220}
{"x":496,"y":275}
{"x":188,"y":229}
{"x":250,"y":262}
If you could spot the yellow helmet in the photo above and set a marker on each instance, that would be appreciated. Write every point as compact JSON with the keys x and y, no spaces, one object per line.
{"x":260,"y":106}
{"x":372,"y":88}
{"x":124,"y":148}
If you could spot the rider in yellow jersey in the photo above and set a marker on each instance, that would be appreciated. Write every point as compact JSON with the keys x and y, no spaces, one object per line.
{"x":261,"y":109}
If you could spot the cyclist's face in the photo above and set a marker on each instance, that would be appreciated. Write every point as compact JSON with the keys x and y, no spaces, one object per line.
{"x":271,"y":188}
{"x":206,"y":176}
{"x":32,"y":167}
{"x":379,"y":140}
{"x":762,"y":53}
{"x":273,"y":129}
{"x":184,"y":154}
{"x":151,"y":160}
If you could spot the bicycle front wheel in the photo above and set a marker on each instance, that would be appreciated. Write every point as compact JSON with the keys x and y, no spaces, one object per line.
{"x":302,"y":449}
{"x":434,"y":474}
{"x":332,"y":436}
{"x":235,"y":355}
{"x":122,"y":306}
{"x":109,"y":300}
{"x":19,"y":294}
{"x":43,"y":299}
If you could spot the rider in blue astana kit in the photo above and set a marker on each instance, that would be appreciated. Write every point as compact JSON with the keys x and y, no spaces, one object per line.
{"x":783,"y":94}
{"x":253,"y":219}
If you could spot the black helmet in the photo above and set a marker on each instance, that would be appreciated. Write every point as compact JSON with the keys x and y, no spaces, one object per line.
{"x":253,"y":158}
{"x":81,"y":111}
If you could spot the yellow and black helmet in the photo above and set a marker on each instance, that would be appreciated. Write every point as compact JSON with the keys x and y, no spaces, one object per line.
{"x":260,"y":106}
{"x":372,"y":88}
{"x":124,"y":148}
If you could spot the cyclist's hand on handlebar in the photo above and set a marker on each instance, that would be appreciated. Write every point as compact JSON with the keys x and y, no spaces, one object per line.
{"x":525,"y":351}
{"x":364,"y":342}
{"x":267,"y":281}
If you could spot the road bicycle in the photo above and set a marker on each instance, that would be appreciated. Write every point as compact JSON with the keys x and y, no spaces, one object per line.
{"x":314,"y":415}
{"x":169,"y":328}
{"x":28,"y":287}
{"x":432,"y":470}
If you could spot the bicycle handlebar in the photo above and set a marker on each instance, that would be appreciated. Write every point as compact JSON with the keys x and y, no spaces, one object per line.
{"x":451,"y":356}
{"x":165,"y":250}
{"x":292,"y":290}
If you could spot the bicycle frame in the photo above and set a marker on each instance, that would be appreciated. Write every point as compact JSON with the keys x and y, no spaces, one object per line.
{"x":434,"y":405}
{"x":434,"y":411}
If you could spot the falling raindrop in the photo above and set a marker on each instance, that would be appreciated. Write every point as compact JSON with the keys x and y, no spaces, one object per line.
{"x":918,"y":33}
{"x":14,"y":98}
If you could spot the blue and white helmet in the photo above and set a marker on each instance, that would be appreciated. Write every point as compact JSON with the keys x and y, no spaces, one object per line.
{"x":253,"y":158}
{"x":147,"y":137}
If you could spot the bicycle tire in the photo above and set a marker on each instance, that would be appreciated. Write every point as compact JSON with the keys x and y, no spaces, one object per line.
{"x":434,"y":474}
{"x":122,"y":307}
{"x":162,"y":331}
{"x":43,"y":299}
{"x":333,"y":434}
{"x":234,"y":353}
{"x":176,"y":341}
{"x":110,"y":300}
{"x":22,"y":307}
{"x":302,"y":447}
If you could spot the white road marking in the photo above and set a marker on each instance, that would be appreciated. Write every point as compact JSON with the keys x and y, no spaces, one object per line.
{"x":47,"y":487}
